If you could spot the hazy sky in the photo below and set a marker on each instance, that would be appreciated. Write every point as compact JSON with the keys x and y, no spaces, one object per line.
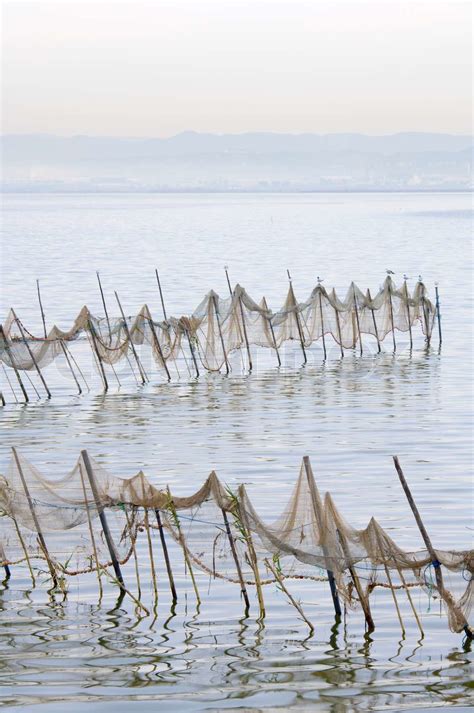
{"x":158,"y":68}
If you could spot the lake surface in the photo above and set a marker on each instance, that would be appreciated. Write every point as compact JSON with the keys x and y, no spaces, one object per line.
{"x":348,"y":415}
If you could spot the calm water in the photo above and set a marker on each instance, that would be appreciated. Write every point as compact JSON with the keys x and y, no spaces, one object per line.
{"x":350,"y":416}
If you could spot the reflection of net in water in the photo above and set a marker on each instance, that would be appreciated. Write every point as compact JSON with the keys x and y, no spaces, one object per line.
{"x":217,"y":532}
{"x":218,"y":327}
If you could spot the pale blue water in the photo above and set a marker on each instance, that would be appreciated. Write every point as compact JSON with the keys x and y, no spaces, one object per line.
{"x":350,"y":416}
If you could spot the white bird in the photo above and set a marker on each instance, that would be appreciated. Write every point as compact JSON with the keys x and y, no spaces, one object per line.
{"x":389,"y":272}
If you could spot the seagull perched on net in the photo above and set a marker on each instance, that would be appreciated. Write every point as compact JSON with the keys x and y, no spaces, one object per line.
{"x":319,"y":279}
{"x":389,"y":272}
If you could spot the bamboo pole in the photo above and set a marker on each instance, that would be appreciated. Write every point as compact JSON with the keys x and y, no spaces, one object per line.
{"x":130,"y":341}
{"x":316,"y":509}
{"x":379,"y":349}
{"x":193,"y":353}
{"x":99,"y":358}
{"x":389,"y":579}
{"x":322,"y":324}
{"x":70,"y":366}
{"x":293,"y":601}
{"x":409,"y":597}
{"x":253,"y":561}
{"x":32,"y":356}
{"x":104,"y":306}
{"x":391,"y":315}
{"x":24,"y":548}
{"x":103,"y":519}
{"x":297,"y":318}
{"x":14,"y":366}
{"x":438,"y":314}
{"x":408,"y":313}
{"x":166,"y":556}
{"x":161,"y":295}
{"x":429,"y":546}
{"x":9,"y":382}
{"x":39,"y":532}
{"x":8,"y":573}
{"x":2,"y":399}
{"x":214,"y":302}
{"x":231,"y":293}
{"x":157,"y":344}
{"x":243,"y":588}
{"x":150,"y":553}
{"x":91,"y":531}
{"x":357,"y":319}
{"x":272,"y":332}
{"x":338,"y":324}
{"x":183,"y":544}
{"x":133,"y":540}
{"x":423,"y":307}
{"x":247,"y":345}
{"x":71,"y":356}
{"x":364,"y":600}
{"x":41,"y":308}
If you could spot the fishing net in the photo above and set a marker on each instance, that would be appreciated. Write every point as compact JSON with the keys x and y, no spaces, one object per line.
{"x":217,"y":531}
{"x":218,"y":327}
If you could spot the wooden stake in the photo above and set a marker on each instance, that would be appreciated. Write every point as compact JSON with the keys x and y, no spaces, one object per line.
{"x":431,"y":551}
{"x":243,"y":588}
{"x":272,"y":332}
{"x":408,"y":314}
{"x":32,"y":356}
{"x":91,"y":531}
{"x":104,"y":306}
{"x":129,"y":337}
{"x":14,"y":367}
{"x":214,"y":302}
{"x":150,"y":552}
{"x":339,"y":334}
{"x":193,"y":353}
{"x":99,"y":358}
{"x":8,"y":574}
{"x":293,"y":601}
{"x":391,"y":315}
{"x":157,"y":344}
{"x":238,"y":322}
{"x":161,"y":295}
{"x":357,"y":319}
{"x":183,"y":544}
{"x":70,"y":366}
{"x":409,"y":597}
{"x":297,"y":318}
{"x":379,"y":349}
{"x":364,"y":600}
{"x":322,"y":324}
{"x":134,"y":551}
{"x":41,"y":308}
{"x":317,"y":513}
{"x":253,"y":561}
{"x":31,"y":506}
{"x":23,"y":545}
{"x":166,"y":556}
{"x":247,"y":345}
{"x":103,"y":519}
{"x":438,"y":314}
{"x":389,"y":579}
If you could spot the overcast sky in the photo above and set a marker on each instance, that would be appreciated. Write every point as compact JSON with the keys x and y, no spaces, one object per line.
{"x":158,"y":68}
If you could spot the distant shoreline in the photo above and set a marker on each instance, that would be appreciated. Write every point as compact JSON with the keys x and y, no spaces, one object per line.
{"x":234,"y":191}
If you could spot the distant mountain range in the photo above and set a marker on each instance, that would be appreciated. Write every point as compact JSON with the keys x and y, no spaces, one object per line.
{"x":262,"y":161}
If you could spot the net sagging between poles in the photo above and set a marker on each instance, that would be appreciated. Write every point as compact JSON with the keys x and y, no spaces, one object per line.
{"x":307,"y":540}
{"x":218,"y":327}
